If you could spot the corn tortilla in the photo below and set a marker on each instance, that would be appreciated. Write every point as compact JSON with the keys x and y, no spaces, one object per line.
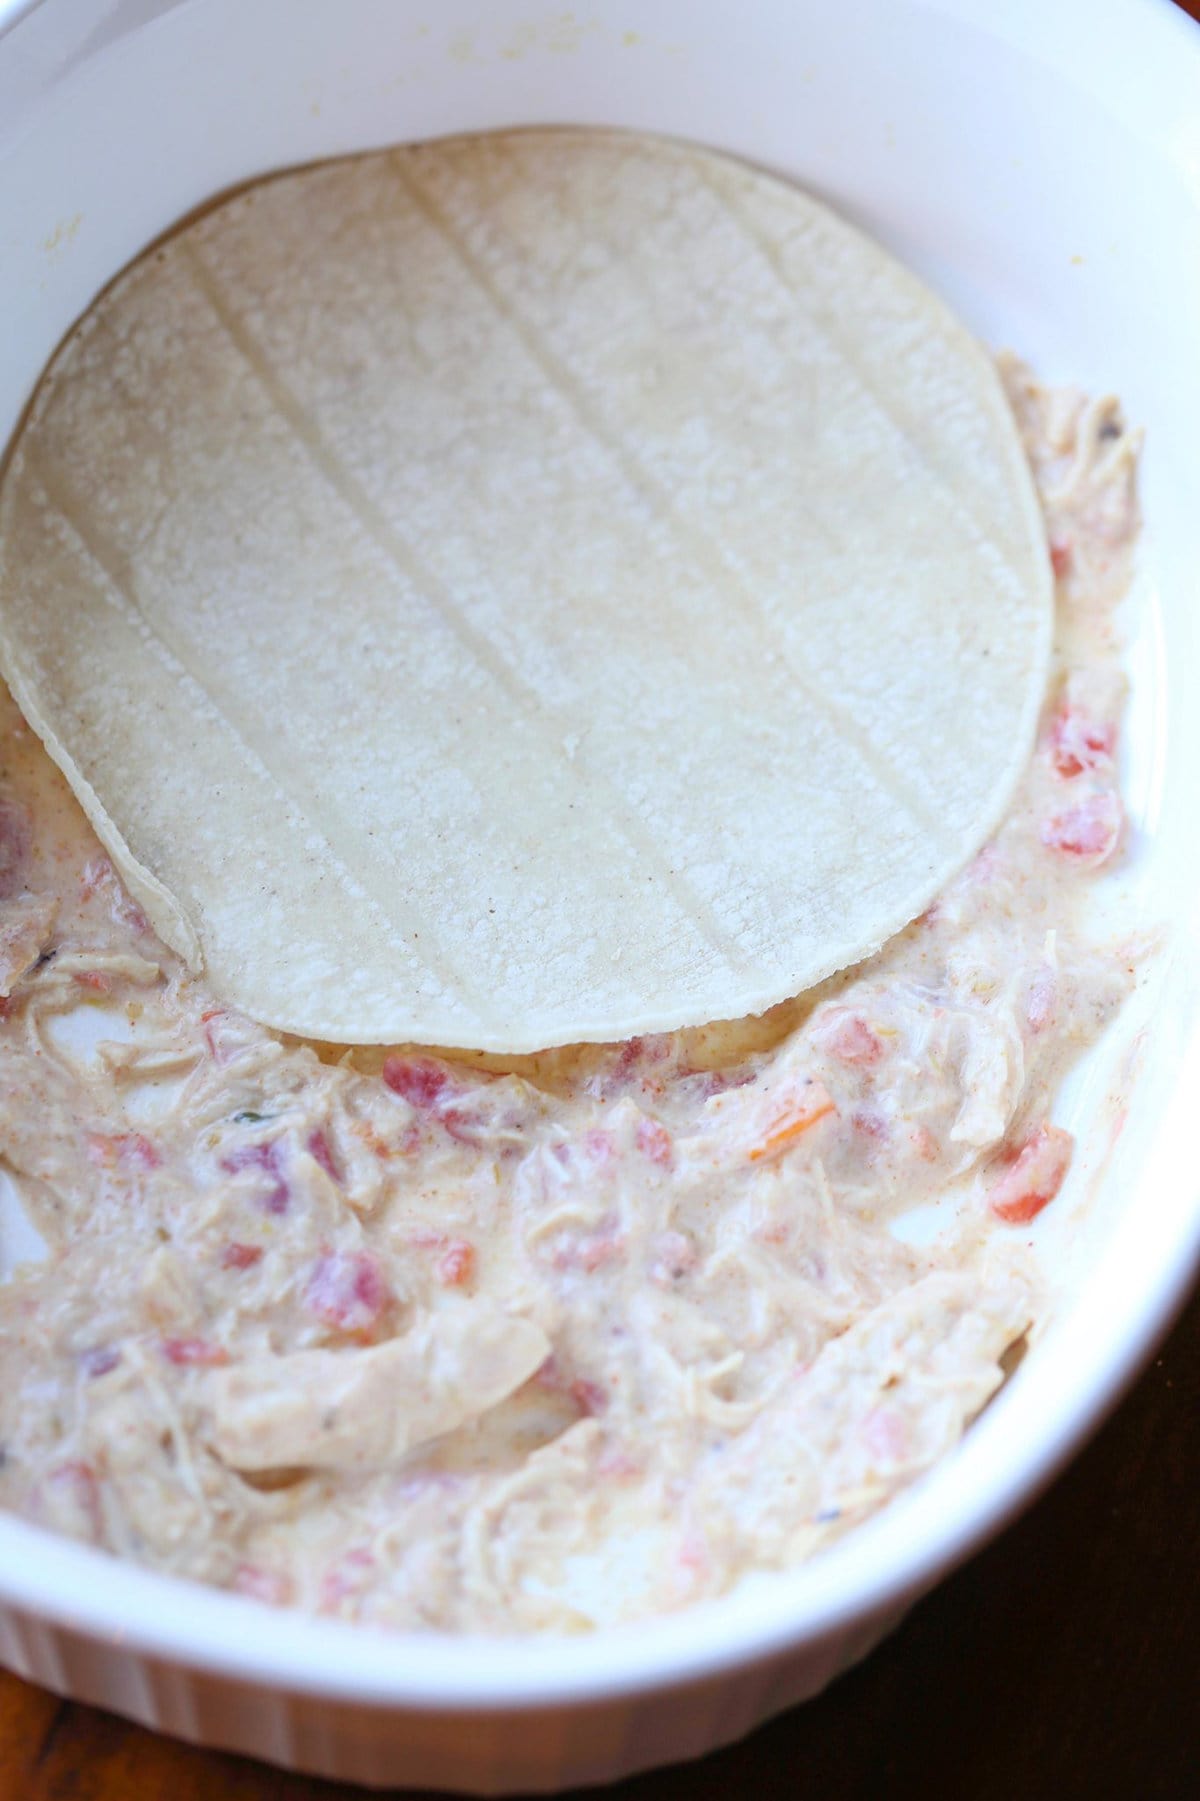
{"x":524,"y":589}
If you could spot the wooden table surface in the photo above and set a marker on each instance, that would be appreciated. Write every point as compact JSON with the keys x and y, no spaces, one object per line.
{"x":1063,"y":1662}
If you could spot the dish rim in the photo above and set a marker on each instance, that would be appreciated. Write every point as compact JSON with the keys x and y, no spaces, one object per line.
{"x":881,"y":1565}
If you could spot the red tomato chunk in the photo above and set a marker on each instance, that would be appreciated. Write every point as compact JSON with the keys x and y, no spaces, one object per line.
{"x":849,"y":1038}
{"x":348,"y":1291}
{"x":241,"y":1256}
{"x":418,"y":1080}
{"x":269,"y":1159}
{"x":1088,"y":832}
{"x":1033,"y":1177}
{"x":456,"y":1265}
{"x":1078,"y":743}
{"x":318,"y":1147}
{"x":122,"y":1150}
{"x":194,"y":1353}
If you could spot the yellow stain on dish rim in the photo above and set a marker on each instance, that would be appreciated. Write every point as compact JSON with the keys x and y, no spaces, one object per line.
{"x":461,"y":48}
{"x":64,"y":234}
{"x":553,"y":34}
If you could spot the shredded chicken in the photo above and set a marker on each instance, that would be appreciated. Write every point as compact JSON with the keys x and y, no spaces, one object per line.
{"x":357,"y":1409}
{"x":428,"y":1340}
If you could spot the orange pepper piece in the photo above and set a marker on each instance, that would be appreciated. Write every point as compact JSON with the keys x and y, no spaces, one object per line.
{"x":812,"y":1103}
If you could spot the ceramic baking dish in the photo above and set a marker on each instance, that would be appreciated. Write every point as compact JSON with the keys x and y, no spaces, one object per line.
{"x":1039,"y":163}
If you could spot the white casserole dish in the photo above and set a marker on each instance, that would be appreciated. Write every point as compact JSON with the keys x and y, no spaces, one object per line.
{"x":1040,"y":164}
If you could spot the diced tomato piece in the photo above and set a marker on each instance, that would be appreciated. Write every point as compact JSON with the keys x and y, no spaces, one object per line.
{"x":348,"y":1291}
{"x":418,"y":1080}
{"x":318,"y":1147}
{"x":462,"y":1125}
{"x":924,"y":1143}
{"x":654,"y":1141}
{"x":1060,"y":557}
{"x":1078,"y":742}
{"x":241,"y":1256}
{"x":269,"y":1159}
{"x":122,"y":1150}
{"x":848,"y":1037}
{"x":456,"y":1265}
{"x":139,"y":1151}
{"x":1087,"y":832}
{"x":430,"y":1088}
{"x":1033,"y":1177}
{"x":194,"y":1353}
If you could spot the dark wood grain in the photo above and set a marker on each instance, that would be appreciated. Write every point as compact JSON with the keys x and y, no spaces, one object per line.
{"x":1063,"y":1662}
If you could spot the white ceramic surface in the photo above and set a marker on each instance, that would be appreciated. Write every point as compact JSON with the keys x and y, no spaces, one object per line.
{"x":1039,"y":162}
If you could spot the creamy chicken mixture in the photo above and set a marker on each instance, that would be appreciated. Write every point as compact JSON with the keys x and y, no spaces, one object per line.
{"x":424,"y":1341}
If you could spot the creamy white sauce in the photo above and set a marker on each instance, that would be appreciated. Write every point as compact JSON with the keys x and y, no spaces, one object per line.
{"x":423,"y":1340}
